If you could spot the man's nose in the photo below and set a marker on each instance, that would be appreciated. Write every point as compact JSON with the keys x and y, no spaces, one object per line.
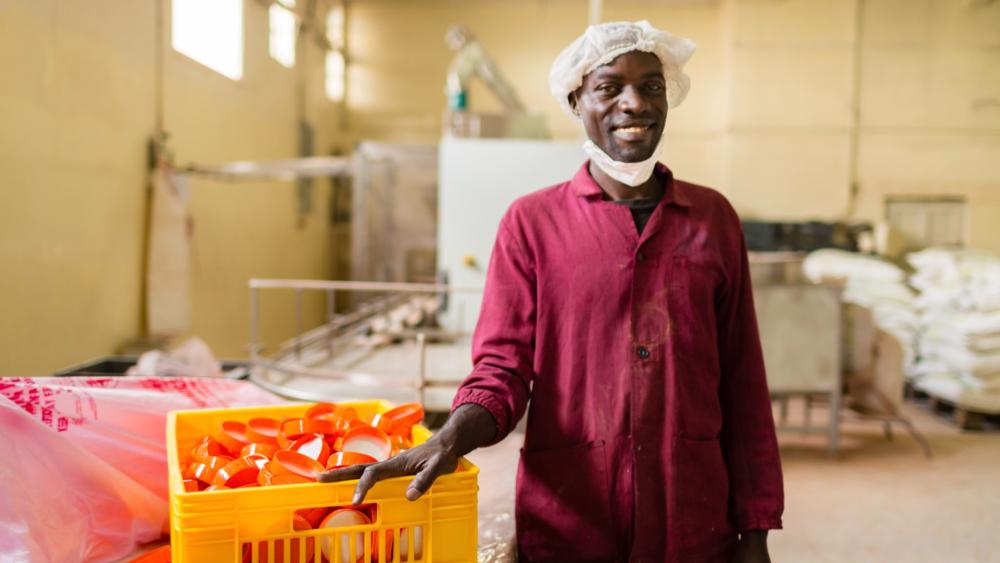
{"x":631,"y":100}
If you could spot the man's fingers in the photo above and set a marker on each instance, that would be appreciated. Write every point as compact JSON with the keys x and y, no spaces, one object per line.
{"x":342,"y":474}
{"x":373,"y":474}
{"x":424,"y":479}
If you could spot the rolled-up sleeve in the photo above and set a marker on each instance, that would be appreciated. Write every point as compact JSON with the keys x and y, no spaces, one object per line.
{"x":503,"y":342}
{"x":748,"y":435}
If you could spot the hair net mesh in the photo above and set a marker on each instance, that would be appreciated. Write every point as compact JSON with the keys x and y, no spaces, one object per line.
{"x":602,"y":43}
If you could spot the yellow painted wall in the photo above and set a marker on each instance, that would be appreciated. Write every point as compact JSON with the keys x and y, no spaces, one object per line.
{"x":769,"y":121}
{"x":249,"y":229}
{"x":770,"y":117}
{"x":76,"y":108}
{"x":77,"y":104}
{"x":931,"y":107}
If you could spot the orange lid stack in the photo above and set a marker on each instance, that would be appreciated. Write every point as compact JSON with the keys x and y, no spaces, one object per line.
{"x":268,"y":451}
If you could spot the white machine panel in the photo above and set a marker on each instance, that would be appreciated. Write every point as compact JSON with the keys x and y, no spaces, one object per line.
{"x":479,"y":179}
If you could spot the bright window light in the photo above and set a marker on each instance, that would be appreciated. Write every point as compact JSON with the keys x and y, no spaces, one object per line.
{"x":335,"y":26}
{"x":287,"y":3}
{"x":211,"y":33}
{"x":335,"y":75}
{"x":282,"y":39}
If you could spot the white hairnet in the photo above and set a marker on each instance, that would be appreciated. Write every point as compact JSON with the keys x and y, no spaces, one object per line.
{"x":602,"y":43}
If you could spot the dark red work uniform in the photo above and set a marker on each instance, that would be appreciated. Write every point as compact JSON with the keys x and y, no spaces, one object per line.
{"x":649,"y":435}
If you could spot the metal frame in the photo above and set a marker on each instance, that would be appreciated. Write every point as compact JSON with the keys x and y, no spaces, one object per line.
{"x":779,"y":373}
{"x":286,"y":358}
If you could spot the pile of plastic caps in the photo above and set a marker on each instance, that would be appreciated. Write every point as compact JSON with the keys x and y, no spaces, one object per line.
{"x":268,"y":451}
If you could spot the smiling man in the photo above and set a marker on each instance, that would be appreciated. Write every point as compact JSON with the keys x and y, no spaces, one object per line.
{"x":618,"y":312}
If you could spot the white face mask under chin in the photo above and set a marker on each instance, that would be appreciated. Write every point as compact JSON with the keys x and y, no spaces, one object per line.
{"x":629,"y":173}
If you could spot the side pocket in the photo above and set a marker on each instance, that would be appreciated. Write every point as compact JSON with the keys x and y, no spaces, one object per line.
{"x":702,"y":496}
{"x":564,"y":505}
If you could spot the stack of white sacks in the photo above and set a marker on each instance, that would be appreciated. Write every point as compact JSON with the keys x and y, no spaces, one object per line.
{"x":877,"y":285}
{"x":959,"y":305}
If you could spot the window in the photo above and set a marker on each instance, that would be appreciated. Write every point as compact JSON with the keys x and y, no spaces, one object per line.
{"x":335,"y":76}
{"x":211,"y":33}
{"x":335,"y":63}
{"x":283,"y":31}
{"x":335,"y":26}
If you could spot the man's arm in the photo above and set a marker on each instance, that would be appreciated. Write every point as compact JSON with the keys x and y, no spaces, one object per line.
{"x":748,"y":437}
{"x":494,"y":396}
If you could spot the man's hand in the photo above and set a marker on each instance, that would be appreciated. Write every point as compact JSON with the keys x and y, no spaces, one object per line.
{"x":427,"y":461}
{"x":469,"y":427}
{"x":752,"y":548}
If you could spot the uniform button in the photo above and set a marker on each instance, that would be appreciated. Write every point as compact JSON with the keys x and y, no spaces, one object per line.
{"x":640,"y":257}
{"x":643,"y":352}
{"x":638,"y":448}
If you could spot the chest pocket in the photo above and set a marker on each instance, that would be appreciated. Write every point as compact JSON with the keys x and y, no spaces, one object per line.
{"x":692,"y":285}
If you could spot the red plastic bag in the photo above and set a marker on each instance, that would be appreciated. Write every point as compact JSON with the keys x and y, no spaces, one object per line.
{"x":83,"y":465}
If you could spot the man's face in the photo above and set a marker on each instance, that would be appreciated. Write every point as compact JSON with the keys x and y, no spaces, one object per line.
{"x":623,"y":106}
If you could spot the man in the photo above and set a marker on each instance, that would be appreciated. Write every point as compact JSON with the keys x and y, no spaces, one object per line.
{"x":619,"y":306}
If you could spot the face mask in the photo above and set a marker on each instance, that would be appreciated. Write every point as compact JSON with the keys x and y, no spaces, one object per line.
{"x":629,"y":173}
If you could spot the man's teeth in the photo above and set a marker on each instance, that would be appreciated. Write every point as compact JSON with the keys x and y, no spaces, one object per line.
{"x":631,"y":129}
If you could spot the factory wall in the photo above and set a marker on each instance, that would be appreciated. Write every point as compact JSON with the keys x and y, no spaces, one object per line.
{"x":799,"y":109}
{"x":930,"y":112}
{"x":78,"y":105}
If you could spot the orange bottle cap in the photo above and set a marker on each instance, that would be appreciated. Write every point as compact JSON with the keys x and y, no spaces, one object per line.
{"x":259,"y":459}
{"x":368,"y":440}
{"x":342,"y":518}
{"x":237,"y":473}
{"x":287,"y":461}
{"x":347,"y":459}
{"x":283,"y":441}
{"x":205,"y":471}
{"x":356,"y":423}
{"x":346,"y":413}
{"x":301,"y":523}
{"x":232,"y":434}
{"x":314,"y":516}
{"x":320,"y":409}
{"x":265,"y":475}
{"x":208,"y":447}
{"x":266,"y":450}
{"x":313,"y":446}
{"x":296,"y":427}
{"x":263,"y":430}
{"x":401,"y":419}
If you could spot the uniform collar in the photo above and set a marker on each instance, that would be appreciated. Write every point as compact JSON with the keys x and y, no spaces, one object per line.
{"x":584,"y":185}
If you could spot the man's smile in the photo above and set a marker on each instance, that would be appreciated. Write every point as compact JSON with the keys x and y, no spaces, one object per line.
{"x":633,"y":131}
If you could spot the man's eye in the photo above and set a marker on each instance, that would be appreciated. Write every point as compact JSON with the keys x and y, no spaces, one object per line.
{"x":655,"y":86}
{"x":607,"y":88}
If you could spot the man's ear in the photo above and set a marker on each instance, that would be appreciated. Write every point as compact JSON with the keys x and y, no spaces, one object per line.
{"x":573,"y":103}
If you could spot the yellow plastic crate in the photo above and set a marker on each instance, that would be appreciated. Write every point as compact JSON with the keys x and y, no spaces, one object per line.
{"x":255,"y":524}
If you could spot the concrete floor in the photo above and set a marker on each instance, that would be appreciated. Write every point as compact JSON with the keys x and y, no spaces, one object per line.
{"x":882,"y":501}
{"x":878,"y":501}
